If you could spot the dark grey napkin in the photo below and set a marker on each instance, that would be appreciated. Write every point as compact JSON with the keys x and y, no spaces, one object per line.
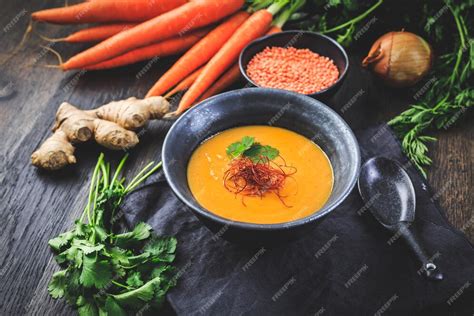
{"x":348,"y":265}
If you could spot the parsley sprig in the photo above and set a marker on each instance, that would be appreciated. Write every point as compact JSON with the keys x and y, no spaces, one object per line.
{"x":110,"y":273}
{"x":255,"y":151}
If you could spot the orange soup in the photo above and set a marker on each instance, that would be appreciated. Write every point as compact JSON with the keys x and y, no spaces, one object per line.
{"x":260,"y":174}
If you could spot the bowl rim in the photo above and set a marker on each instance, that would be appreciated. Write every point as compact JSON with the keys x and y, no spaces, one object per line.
{"x":307,"y":33}
{"x":323,"y":211}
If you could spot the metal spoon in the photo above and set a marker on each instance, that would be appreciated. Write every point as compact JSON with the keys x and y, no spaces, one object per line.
{"x":389,"y":194}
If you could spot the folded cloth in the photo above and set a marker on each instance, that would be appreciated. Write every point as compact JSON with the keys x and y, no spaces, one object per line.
{"x":348,"y":265}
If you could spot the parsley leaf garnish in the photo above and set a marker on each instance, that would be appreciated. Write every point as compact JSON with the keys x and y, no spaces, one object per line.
{"x":238,"y":148}
{"x":255,"y":151}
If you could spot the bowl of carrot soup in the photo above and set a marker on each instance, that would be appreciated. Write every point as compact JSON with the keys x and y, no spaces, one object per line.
{"x":261,"y":166}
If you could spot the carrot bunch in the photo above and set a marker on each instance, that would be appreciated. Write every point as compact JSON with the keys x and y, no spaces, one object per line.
{"x":212,"y":33}
{"x":222,"y":70}
{"x":107,"y":11}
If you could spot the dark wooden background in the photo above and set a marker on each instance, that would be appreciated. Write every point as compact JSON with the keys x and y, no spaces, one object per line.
{"x":36,"y":206}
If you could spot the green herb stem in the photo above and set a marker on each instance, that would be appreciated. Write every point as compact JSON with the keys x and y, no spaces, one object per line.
{"x":91,"y":189}
{"x":119,"y":169}
{"x":285,"y":15}
{"x":121,"y":285}
{"x":354,"y":20}
{"x":137,"y":182}
{"x":277,"y":6}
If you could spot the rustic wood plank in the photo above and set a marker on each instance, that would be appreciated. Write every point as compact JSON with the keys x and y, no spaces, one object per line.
{"x":452,"y":175}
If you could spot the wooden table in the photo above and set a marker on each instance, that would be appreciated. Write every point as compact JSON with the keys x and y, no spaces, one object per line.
{"x":37,"y":205}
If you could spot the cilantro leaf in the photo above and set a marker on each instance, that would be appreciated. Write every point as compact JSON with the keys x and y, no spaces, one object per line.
{"x":137,"y":297}
{"x":160,"y":271}
{"x":74,"y":288}
{"x":248,"y":141}
{"x":138,"y":259}
{"x":166,"y":283}
{"x":86,"y":246}
{"x":73,"y":254}
{"x":57,"y":285}
{"x":61,"y":241}
{"x":100,"y":233}
{"x":95,"y":272}
{"x":249,"y":148}
{"x":238,"y":148}
{"x":270,"y":152}
{"x":134,"y":280}
{"x":87,"y":309}
{"x":162,"y":249}
{"x":118,"y":255}
{"x":257,"y":151}
{"x":112,"y":308}
{"x":82,"y":229}
{"x":140,"y":232}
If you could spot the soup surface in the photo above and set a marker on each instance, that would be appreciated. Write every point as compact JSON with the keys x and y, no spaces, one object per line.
{"x":303,"y":192}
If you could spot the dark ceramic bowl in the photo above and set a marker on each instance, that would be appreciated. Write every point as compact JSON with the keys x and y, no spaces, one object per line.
{"x":259,"y":106}
{"x":315,"y":42}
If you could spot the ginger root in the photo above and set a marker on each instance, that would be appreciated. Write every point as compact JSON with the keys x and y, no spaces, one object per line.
{"x":111,"y":125}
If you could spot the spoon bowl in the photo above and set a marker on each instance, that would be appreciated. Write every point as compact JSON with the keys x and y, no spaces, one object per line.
{"x":381,"y":177}
{"x":388,"y":192}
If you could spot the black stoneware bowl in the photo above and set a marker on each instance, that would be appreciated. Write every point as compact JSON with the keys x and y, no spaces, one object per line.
{"x":318,"y":43}
{"x":259,"y":106}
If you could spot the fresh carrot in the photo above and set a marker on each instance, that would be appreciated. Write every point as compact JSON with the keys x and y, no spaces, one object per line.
{"x":185,"y":84}
{"x":189,"y":16}
{"x":231,"y":76}
{"x":167,"y":47}
{"x":93,"y":34}
{"x":274,"y":29}
{"x":107,"y":11}
{"x":199,"y":54}
{"x":254,"y":27}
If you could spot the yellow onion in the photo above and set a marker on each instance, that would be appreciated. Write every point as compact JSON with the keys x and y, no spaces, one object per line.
{"x":401,"y":59}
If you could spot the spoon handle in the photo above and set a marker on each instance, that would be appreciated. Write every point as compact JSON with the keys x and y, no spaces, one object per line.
{"x":429,"y":269}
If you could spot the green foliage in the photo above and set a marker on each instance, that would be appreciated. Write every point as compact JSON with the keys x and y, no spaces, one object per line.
{"x":247,"y":147}
{"x":450,"y":95}
{"x":238,"y":148}
{"x":108,"y":273}
{"x":447,"y":93}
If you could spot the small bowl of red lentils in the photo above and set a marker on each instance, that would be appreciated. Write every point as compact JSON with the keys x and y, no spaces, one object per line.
{"x":300,"y":61}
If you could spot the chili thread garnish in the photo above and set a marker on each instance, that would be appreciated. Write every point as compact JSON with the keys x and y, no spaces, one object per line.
{"x":253,"y":171}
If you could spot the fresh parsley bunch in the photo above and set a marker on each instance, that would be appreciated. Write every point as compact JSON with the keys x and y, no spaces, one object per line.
{"x":108,"y":273}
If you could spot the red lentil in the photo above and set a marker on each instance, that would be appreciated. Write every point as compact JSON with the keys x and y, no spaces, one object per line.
{"x":299,"y":70}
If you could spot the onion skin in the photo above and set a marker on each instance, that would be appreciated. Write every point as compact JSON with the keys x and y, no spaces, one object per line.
{"x":401,"y":59}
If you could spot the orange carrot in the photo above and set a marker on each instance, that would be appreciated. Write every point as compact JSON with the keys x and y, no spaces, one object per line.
{"x":199,"y":54}
{"x":231,"y":76}
{"x":254,"y":27}
{"x":95,"y":33}
{"x":274,"y":29}
{"x":107,"y":11}
{"x":185,"y":84}
{"x":167,"y":47}
{"x":189,"y":16}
